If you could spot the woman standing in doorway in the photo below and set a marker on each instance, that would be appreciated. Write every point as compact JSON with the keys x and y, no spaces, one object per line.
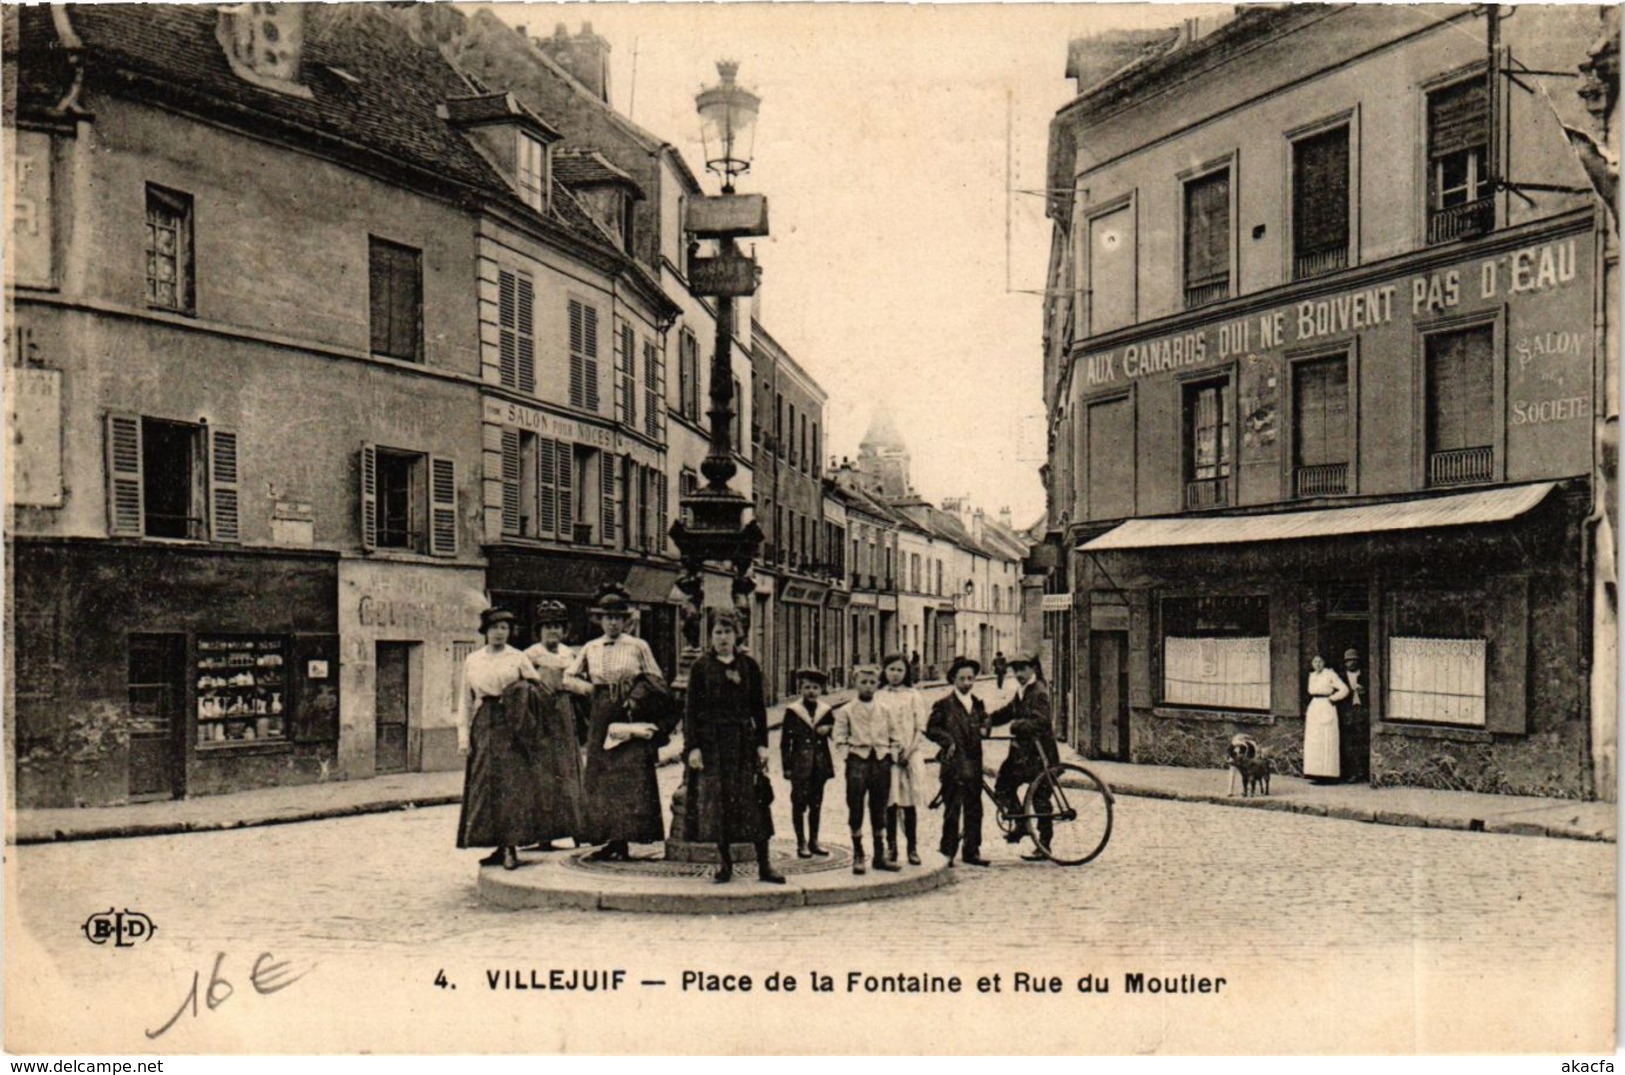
{"x":499,"y":794}
{"x":907,"y":713}
{"x":725,"y":733}
{"x":1326,"y":689}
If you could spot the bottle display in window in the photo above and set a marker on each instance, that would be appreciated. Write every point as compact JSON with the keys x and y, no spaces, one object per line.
{"x":240,"y":690}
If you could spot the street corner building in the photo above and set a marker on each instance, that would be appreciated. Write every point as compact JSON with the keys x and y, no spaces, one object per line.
{"x":1331,"y":366}
{"x":317,"y":342}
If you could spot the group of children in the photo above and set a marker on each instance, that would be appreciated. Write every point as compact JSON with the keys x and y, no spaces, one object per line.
{"x":882,"y":735}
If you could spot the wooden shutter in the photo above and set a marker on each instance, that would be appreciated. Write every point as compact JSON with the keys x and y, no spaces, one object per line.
{"x":511,"y":471}
{"x":507,"y":320}
{"x":654,"y":390}
{"x":1320,"y":193}
{"x":369,"y":496}
{"x":126,"y":506}
{"x":1506,"y":689}
{"x":378,"y":284}
{"x":225,"y":522}
{"x":1320,"y":412}
{"x":443,"y":506}
{"x":663,"y":513}
{"x":589,"y":336}
{"x":565,"y":464}
{"x":1207,"y":229}
{"x":608,"y":464}
{"x":526,"y":334}
{"x":547,"y":492}
{"x":1458,"y":117}
{"x":1461,"y":389}
{"x":578,"y":354}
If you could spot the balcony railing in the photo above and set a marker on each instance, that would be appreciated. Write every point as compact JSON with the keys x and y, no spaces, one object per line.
{"x":1461,"y":466}
{"x":1200,"y":294}
{"x":1322,"y":480}
{"x":1460,"y":221}
{"x":1321,"y":261}
{"x":1207,"y":493}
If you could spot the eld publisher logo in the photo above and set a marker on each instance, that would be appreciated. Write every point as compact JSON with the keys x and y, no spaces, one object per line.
{"x":124,"y":929}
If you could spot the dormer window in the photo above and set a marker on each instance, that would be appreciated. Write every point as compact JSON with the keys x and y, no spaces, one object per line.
{"x":532,"y":171}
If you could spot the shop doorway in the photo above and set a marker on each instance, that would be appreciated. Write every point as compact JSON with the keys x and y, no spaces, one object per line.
{"x":157,"y":721}
{"x":1341,"y":634}
{"x":1108,"y":694}
{"x":393,"y":705}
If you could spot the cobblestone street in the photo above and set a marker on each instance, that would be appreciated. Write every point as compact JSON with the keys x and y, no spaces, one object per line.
{"x":1364,"y":931}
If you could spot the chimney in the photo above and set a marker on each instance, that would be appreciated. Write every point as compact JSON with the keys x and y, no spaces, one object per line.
{"x":585,"y":56}
{"x":263,"y":44}
{"x":1006,"y":520}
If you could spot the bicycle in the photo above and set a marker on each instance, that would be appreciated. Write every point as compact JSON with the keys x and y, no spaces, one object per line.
{"x":1075,"y":803}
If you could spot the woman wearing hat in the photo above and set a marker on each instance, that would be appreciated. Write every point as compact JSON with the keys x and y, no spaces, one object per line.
{"x":552,"y":619}
{"x":622,"y":803}
{"x":556,"y":751}
{"x":725,"y":732}
{"x":500,"y":803}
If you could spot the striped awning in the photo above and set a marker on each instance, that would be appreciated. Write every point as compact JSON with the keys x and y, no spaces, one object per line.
{"x":1456,"y":509}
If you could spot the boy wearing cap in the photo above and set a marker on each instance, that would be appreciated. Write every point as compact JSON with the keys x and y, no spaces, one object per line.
{"x":958,"y":722}
{"x":865,"y":738}
{"x":1032,"y":746}
{"x":804,"y":754}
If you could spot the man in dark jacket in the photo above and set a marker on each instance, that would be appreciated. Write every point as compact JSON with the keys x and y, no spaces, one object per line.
{"x":958,"y":722}
{"x":1032,"y":746}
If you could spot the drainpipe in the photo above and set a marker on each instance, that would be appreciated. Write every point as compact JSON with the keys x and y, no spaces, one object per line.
{"x":1597,"y":510}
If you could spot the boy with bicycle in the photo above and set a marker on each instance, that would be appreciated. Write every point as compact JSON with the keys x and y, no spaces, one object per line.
{"x":958,"y":722}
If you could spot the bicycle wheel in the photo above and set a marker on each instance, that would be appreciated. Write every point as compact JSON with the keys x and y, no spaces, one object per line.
{"x":1006,"y":823}
{"x":1076,"y":806}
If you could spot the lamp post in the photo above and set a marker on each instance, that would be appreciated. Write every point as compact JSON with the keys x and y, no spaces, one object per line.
{"x":713,"y":529}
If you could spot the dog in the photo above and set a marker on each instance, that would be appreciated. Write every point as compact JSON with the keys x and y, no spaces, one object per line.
{"x":1251,"y":764}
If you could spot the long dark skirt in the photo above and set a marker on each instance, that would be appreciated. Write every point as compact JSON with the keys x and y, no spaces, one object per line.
{"x":556,"y":762}
{"x":724,"y":792}
{"x":622,"y":793}
{"x":501,"y":804}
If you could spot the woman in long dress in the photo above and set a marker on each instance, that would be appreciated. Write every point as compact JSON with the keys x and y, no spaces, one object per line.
{"x":725,"y":732}
{"x":556,"y":753}
{"x":622,"y":803}
{"x":1326,"y":689}
{"x":500,"y":802}
{"x":908,"y":715}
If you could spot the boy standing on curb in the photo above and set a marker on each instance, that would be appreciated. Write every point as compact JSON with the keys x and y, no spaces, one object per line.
{"x":866,"y":740}
{"x":804,"y":754}
{"x":958,"y":721}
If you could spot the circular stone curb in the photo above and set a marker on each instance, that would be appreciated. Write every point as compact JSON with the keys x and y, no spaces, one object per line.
{"x":561,"y":880}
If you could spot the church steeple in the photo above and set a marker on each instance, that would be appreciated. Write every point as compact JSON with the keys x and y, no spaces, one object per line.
{"x":883,"y":458}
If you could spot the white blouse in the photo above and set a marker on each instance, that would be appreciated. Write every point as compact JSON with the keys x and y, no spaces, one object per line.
{"x":1327,"y":684}
{"x":487,"y":675}
{"x":560,"y":661}
{"x":905,"y":708}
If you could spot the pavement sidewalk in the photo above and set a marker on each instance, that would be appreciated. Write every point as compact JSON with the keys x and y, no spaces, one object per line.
{"x":1418,"y":807}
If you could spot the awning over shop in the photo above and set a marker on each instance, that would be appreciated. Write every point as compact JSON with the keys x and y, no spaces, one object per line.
{"x":1457,"y":509}
{"x":650,"y":585}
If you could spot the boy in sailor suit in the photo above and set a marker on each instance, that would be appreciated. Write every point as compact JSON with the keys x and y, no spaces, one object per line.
{"x":804,"y":753}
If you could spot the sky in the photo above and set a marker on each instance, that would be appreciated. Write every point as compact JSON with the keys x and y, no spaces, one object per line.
{"x":882,"y":148}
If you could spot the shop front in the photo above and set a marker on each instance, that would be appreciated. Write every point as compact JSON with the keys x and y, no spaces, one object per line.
{"x":835,"y":660}
{"x":405,"y":629}
{"x":146,"y":671}
{"x":1459,"y":617}
{"x":800,"y":630}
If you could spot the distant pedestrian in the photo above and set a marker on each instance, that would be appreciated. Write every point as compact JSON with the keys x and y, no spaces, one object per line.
{"x":999,"y":668}
{"x":914,"y":669}
{"x":906,"y":709}
{"x":864,"y":741}
{"x":622,"y":802}
{"x":804,"y":755}
{"x":1326,"y":689}
{"x":499,"y":792}
{"x":958,"y":722}
{"x":1354,"y":721}
{"x":725,"y":733}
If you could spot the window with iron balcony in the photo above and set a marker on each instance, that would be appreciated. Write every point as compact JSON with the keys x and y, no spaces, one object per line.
{"x":1320,"y":427}
{"x":1320,"y":203}
{"x":1207,"y":448}
{"x":1460,"y":189}
{"x":1460,"y":389}
{"x":1207,"y":238}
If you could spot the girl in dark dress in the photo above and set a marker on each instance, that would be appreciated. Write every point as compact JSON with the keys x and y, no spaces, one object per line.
{"x":726,"y":735}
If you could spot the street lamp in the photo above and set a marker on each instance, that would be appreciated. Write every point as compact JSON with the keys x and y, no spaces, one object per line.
{"x":714,"y":530}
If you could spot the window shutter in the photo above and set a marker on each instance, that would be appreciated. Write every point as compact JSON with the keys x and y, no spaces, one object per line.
{"x":526,"y":333}
{"x":1320,"y":193}
{"x":507,"y":318}
{"x":578,"y":350}
{"x":629,"y":355}
{"x":1207,"y":229}
{"x":1458,"y":117}
{"x":1506,"y":686}
{"x":378,"y":283}
{"x":663,"y":516}
{"x":369,"y":496}
{"x":407,"y":292}
{"x":1461,"y":390}
{"x":225,"y":523}
{"x":126,"y":508}
{"x":565,"y":470}
{"x":589,"y":335}
{"x":654,"y":391}
{"x":443,"y":506}
{"x":511,"y":471}
{"x":547,"y":487}
{"x":609,"y":463}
